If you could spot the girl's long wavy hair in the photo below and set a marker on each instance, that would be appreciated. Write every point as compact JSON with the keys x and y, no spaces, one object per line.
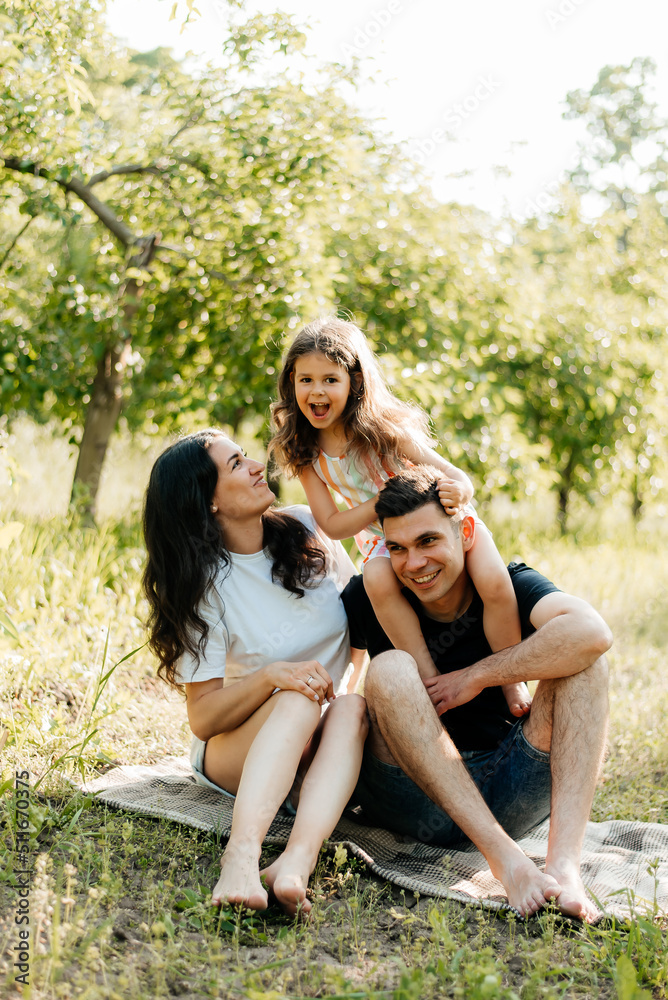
{"x":186,"y":550}
{"x":374,"y":421}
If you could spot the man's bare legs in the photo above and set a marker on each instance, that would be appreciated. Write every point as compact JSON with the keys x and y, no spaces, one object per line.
{"x":259,"y":761}
{"x":405,"y":724}
{"x":569,"y":718}
{"x":325,"y":790}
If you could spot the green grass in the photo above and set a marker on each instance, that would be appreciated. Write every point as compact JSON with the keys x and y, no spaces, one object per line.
{"x":119,"y":903}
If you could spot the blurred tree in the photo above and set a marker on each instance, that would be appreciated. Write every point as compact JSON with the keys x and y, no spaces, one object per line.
{"x":188,"y":209}
{"x":575,"y":365}
{"x":626,"y":164}
{"x":627,"y":152}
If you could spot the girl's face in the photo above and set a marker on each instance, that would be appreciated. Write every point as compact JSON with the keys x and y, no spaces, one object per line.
{"x":321,"y":389}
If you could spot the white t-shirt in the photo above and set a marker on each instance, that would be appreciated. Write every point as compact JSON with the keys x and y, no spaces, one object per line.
{"x":254,"y":621}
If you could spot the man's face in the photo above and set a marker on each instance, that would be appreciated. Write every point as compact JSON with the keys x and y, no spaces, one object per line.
{"x":426,"y":551}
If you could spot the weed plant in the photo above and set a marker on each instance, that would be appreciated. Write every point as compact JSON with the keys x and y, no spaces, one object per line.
{"x":120,"y":902}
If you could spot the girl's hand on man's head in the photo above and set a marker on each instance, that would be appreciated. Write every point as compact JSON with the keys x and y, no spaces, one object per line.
{"x":452,"y":494}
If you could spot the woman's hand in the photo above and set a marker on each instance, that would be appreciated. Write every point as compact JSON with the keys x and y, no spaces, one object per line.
{"x":308,"y":677}
{"x":453,"y":495}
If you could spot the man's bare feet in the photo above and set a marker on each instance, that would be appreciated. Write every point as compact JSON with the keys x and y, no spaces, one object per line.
{"x":573,"y":899}
{"x":239,"y":880}
{"x":287,"y":878}
{"x":518,"y":698}
{"x":528,"y":888}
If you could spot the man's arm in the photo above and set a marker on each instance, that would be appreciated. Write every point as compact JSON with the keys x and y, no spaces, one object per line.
{"x":570,"y":636}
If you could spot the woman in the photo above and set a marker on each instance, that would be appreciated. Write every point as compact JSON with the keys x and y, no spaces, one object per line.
{"x":245,"y":612}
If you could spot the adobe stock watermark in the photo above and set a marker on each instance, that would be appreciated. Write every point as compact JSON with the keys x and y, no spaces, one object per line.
{"x":454,"y":117}
{"x":565,"y":9}
{"x":21,"y":871}
{"x":369,"y":31}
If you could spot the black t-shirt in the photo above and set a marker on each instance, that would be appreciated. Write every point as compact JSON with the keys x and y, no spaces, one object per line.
{"x":482,"y":723}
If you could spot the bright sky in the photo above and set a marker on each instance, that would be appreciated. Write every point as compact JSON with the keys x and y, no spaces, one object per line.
{"x":491,"y":75}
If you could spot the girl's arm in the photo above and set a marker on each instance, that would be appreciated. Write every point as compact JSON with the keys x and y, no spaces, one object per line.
{"x":459,"y":488}
{"x":215,"y":707}
{"x":334,"y":522}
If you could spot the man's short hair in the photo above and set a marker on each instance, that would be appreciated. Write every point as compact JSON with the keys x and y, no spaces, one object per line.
{"x":408,"y":491}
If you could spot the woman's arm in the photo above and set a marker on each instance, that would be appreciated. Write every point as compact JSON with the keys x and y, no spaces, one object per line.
{"x":334,"y":522}
{"x":461,"y":488}
{"x":215,"y":707}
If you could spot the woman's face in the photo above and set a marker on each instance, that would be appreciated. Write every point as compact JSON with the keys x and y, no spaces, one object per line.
{"x":241,"y":491}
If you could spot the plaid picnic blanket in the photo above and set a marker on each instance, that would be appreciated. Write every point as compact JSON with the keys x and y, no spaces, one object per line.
{"x":624,"y":864}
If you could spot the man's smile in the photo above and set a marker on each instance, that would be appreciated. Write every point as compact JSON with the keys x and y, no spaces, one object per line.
{"x":424,"y":580}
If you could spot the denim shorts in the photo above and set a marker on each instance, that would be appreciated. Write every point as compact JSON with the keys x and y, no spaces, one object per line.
{"x":514,"y":780}
{"x":197,"y":750}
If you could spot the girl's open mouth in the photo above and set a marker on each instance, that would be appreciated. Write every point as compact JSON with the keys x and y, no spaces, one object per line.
{"x":319,"y":410}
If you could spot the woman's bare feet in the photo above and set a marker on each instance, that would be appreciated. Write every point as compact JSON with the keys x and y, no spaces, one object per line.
{"x":287,"y":878}
{"x":527,"y":887}
{"x":573,"y":899}
{"x":239,"y":880}
{"x":518,"y":698}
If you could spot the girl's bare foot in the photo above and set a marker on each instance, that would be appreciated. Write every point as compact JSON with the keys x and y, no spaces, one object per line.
{"x":287,"y":879}
{"x":239,"y":880}
{"x":518,"y":698}
{"x":573,"y":899}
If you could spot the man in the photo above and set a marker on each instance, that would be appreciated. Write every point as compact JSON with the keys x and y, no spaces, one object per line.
{"x":445,"y":760}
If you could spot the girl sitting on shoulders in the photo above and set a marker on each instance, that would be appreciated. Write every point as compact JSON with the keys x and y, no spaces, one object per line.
{"x":338,"y":427}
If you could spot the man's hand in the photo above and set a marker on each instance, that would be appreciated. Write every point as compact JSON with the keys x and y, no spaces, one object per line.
{"x":453,"y":495}
{"x":451,"y":690}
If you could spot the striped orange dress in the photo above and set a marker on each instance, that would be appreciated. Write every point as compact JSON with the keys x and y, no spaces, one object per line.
{"x":343,"y":476}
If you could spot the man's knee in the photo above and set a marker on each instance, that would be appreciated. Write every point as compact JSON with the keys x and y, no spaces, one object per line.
{"x":389,"y":675}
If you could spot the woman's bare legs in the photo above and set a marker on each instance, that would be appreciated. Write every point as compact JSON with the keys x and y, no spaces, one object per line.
{"x":325,"y":790}
{"x":258,"y":761}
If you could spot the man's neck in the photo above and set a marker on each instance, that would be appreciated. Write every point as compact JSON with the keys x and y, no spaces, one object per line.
{"x":453,"y":604}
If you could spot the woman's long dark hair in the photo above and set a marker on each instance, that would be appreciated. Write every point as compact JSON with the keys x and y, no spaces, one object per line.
{"x":186,"y":549}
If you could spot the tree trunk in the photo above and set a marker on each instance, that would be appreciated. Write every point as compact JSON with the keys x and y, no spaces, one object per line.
{"x":101,"y":416}
{"x":636,"y":498}
{"x":562,"y":509}
{"x":563,"y":494}
{"x":105,"y":405}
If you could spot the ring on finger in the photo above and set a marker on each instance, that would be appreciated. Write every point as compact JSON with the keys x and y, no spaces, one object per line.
{"x":309,"y":679}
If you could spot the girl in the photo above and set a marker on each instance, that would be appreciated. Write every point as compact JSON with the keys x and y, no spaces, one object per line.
{"x":338,"y":427}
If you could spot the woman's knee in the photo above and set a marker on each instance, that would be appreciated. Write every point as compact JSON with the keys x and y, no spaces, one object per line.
{"x":295,"y":705}
{"x":349,"y":710}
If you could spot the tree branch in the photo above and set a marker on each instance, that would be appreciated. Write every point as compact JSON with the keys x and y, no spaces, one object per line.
{"x":106,"y":216}
{"x":127,"y":168}
{"x":15,"y":241}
